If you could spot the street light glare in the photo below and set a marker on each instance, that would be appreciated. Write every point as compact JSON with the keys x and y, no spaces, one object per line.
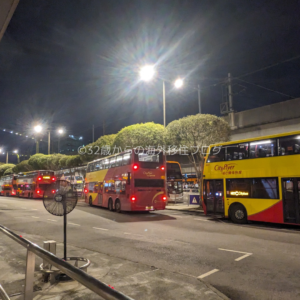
{"x":38,"y":128}
{"x":15,"y":151}
{"x":178,"y":83}
{"x":60,"y":131}
{"x":147,"y":73}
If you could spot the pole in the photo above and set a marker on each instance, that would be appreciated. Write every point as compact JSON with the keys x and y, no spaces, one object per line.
{"x":58,"y":144}
{"x":37,"y":146}
{"x":103,"y":127}
{"x":48,"y":142}
{"x":231,"y":113}
{"x":93,"y":132}
{"x":65,"y":228}
{"x":7,"y":157}
{"x":164,"y":102}
{"x":199,"y":98}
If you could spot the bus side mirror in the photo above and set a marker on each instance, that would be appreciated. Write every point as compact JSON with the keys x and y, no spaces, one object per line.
{"x":128,"y":178}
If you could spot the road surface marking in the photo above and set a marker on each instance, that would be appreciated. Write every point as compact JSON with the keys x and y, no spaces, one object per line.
{"x":23,"y":207}
{"x":201,"y":219}
{"x":35,"y":217}
{"x":51,"y":220}
{"x":181,"y":242}
{"x":127,"y":233}
{"x":33,"y":209}
{"x":239,"y":258}
{"x":208,"y":273}
{"x":100,"y":228}
{"x":74,"y":224}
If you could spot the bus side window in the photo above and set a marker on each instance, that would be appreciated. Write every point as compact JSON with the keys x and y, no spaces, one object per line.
{"x":96,"y":188}
{"x":118,"y":186}
{"x":123,"y":187}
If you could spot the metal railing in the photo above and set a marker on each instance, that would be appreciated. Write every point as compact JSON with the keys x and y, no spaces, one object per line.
{"x":85,"y":279}
{"x":3,"y":294}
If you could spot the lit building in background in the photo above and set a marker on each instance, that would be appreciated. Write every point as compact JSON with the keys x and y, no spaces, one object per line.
{"x":70,"y":144}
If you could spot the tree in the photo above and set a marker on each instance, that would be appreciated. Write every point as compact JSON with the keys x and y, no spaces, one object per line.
{"x":35,"y":161}
{"x":8,"y":171}
{"x":73,"y":161}
{"x":23,"y":166}
{"x":193,"y":134}
{"x":90,"y":149}
{"x":3,"y":168}
{"x":143,"y":135}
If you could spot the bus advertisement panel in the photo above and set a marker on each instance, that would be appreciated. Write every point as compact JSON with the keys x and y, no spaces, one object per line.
{"x":8,"y":185}
{"x":174,"y":182}
{"x":129,"y":181}
{"x":256,"y":179}
{"x":33,"y":184}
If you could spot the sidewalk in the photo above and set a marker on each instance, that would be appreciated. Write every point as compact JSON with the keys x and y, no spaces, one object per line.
{"x":136,"y":280}
{"x":189,"y":208}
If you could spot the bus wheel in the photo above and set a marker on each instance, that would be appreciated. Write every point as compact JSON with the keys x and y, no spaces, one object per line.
{"x":238,"y":214}
{"x":110,"y":205}
{"x":28,"y":196}
{"x":118,"y":206}
{"x":90,"y":201}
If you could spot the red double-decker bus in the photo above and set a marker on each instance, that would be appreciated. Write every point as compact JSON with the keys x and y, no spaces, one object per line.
{"x":33,"y":184}
{"x":130,"y":181}
{"x":8,"y":185}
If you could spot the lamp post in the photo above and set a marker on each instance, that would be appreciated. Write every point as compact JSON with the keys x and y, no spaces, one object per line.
{"x":60,"y":131}
{"x":37,"y":129}
{"x":147,"y":73}
{"x":18,"y":156}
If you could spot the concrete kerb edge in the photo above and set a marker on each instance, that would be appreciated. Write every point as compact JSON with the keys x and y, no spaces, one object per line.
{"x":209,"y":286}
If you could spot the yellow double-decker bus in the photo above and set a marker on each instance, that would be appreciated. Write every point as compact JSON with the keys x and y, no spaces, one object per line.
{"x":257,"y":179}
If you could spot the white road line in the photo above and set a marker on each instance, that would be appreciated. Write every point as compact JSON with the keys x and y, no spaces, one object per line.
{"x":100,"y":228}
{"x":208,"y":273}
{"x":35,"y":217}
{"x":239,"y":258}
{"x":51,"y":220}
{"x":242,"y":257}
{"x":201,"y":219}
{"x":34,"y":209}
{"x":74,"y":224}
{"x":127,"y":233}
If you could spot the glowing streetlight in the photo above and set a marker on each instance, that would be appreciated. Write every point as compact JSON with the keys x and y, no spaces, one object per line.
{"x":38,"y":128}
{"x":147,"y":73}
{"x":15,"y":151}
{"x":178,"y":83}
{"x":60,"y":131}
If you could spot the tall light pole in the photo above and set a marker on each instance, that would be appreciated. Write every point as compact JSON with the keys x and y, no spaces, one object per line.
{"x":37,"y":129}
{"x":18,"y":156}
{"x":60,"y":131}
{"x":199,"y":98}
{"x":147,"y":73}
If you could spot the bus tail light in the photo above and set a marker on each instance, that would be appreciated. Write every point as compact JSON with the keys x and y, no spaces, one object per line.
{"x":85,"y":190}
{"x":164,"y":198}
{"x":53,"y":191}
{"x":162,"y":168}
{"x":133,"y":199}
{"x":135,"y":167}
{"x":53,"y":178}
{"x":38,"y":191}
{"x":39,"y":178}
{"x":13,"y":193}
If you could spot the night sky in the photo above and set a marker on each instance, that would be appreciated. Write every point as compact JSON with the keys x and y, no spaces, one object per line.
{"x":74,"y":63}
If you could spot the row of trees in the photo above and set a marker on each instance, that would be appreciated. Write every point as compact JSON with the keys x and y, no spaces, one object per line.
{"x":192,"y":132}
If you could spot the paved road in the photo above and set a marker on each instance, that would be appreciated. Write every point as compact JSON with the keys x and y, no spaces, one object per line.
{"x":254,"y":261}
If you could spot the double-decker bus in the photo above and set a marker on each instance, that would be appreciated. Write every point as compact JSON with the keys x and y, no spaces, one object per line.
{"x":8,"y":185}
{"x":130,"y":181}
{"x":174,"y":182}
{"x":33,"y":184}
{"x":256,"y":179}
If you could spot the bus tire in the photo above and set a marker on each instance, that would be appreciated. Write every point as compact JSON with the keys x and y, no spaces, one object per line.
{"x":110,"y":205}
{"x":238,"y":213}
{"x":118,"y":206}
{"x":90,"y":201}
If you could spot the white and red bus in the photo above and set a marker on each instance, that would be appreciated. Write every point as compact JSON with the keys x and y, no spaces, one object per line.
{"x":33,"y":184}
{"x":8,"y":185}
{"x":134,"y":180}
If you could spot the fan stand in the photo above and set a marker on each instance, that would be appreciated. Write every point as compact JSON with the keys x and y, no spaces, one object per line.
{"x":65,"y":230}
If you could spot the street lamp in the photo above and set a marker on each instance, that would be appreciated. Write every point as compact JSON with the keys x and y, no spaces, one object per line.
{"x":38,"y":128}
{"x":147,"y":73}
{"x":60,"y":131}
{"x":178,"y":83}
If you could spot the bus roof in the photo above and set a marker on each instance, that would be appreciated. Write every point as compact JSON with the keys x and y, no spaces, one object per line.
{"x":257,"y":138}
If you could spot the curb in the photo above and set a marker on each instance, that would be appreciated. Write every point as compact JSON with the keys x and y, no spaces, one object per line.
{"x":209,"y":286}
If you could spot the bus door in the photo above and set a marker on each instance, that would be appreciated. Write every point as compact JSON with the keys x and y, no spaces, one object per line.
{"x":100,"y":193}
{"x":291,"y":200}
{"x":213,"y":196}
